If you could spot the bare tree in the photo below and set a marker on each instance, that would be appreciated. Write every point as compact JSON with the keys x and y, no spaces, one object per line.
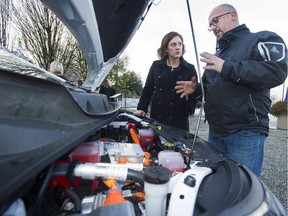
{"x":81,"y":63}
{"x":4,"y":22}
{"x":43,"y":36}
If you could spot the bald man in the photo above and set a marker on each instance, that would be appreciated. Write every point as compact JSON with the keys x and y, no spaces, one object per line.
{"x":237,"y":82}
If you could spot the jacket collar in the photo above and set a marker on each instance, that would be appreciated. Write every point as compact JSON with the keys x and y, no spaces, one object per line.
{"x":231,"y":35}
{"x":183,"y":62}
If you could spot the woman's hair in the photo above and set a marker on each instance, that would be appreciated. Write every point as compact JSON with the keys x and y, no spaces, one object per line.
{"x":161,"y":52}
{"x":56,"y":67}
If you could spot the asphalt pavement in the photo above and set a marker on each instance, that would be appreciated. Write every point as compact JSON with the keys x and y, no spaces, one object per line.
{"x":274,"y":173}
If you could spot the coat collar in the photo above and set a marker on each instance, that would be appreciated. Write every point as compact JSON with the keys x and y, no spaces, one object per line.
{"x":231,"y":35}
{"x":183,"y":62}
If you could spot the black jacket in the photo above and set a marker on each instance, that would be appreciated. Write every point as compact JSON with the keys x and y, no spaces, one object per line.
{"x":108,"y":91}
{"x":239,"y":97}
{"x":159,"y":91}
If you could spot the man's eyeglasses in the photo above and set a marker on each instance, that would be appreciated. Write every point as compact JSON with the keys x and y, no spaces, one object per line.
{"x":215,"y":20}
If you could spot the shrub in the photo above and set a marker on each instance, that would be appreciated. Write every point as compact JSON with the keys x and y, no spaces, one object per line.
{"x":279,"y":108}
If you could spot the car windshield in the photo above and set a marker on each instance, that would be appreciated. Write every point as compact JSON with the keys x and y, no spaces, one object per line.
{"x":10,"y":62}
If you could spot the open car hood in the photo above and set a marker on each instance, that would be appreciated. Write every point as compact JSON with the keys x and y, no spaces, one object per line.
{"x":102,"y":28}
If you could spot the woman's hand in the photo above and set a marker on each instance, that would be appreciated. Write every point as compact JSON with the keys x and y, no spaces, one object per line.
{"x":139,"y":113}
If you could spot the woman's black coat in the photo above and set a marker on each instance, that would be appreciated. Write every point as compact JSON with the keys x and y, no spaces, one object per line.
{"x":159,"y":92}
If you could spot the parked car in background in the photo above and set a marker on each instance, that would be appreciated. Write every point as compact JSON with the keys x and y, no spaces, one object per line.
{"x":66,"y":150}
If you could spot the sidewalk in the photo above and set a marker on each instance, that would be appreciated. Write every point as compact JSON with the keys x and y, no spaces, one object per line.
{"x":274,"y":172}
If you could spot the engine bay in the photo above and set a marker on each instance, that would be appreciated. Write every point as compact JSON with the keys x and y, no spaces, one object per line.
{"x":135,"y":166}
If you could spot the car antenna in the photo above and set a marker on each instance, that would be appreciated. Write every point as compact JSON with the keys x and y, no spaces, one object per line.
{"x":202,"y":88}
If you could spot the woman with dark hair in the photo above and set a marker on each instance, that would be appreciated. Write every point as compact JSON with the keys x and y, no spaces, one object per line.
{"x":159,"y":90}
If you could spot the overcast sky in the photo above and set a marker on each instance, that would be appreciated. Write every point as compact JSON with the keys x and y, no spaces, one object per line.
{"x":172,"y":15}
